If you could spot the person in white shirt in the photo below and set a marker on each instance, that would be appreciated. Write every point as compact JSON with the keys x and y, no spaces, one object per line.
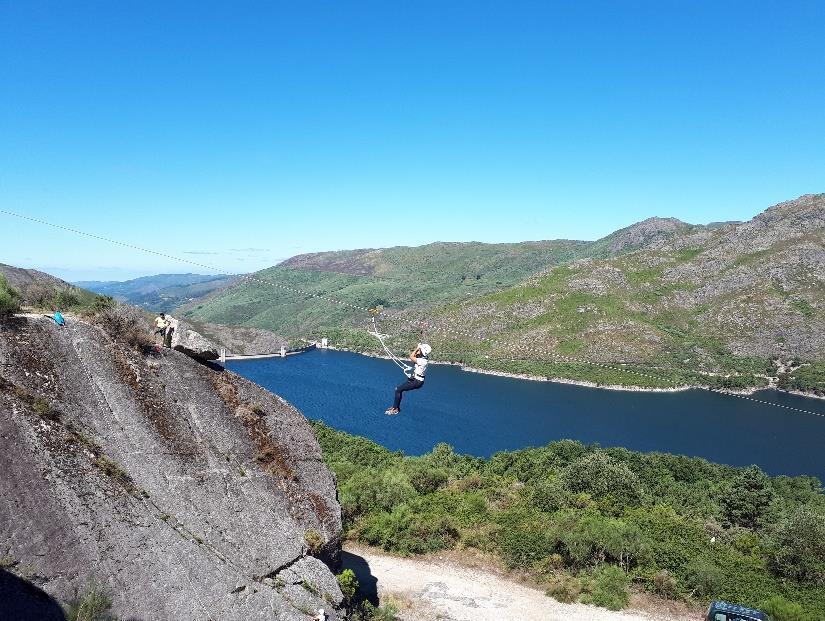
{"x":419,"y":357}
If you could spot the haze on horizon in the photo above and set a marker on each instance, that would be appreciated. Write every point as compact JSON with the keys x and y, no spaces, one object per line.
{"x":239,"y":138}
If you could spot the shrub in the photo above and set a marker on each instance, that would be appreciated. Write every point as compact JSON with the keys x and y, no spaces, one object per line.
{"x":367,"y":612}
{"x":600,"y":475}
{"x":407,"y":531}
{"x":91,"y":604}
{"x":550,"y":495}
{"x":314,"y":540}
{"x":747,"y":498}
{"x":781,"y":609}
{"x":424,"y":479}
{"x":125,"y":324}
{"x":348,"y":583}
{"x":592,"y":539}
{"x":704,"y":578}
{"x":9,"y":297}
{"x":607,"y":587}
{"x":799,"y":547}
{"x":665,"y":585}
{"x":523,"y":545}
{"x":565,"y":589}
{"x":372,"y":490}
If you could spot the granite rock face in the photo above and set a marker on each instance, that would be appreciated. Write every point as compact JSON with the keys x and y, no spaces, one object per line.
{"x":187,"y":340}
{"x":185,"y":491}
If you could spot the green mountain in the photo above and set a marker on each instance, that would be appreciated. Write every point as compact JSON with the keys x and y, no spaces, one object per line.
{"x":401,"y":278}
{"x":713,"y":301}
{"x":660,"y":303}
{"x":161,"y":292}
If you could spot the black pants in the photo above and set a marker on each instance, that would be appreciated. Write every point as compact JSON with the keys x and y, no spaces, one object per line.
{"x":412,"y":384}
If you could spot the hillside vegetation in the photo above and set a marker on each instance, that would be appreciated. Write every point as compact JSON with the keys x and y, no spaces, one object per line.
{"x":730,"y":305}
{"x":724,"y":301}
{"x":43,"y":292}
{"x":591,"y":524}
{"x":418,"y":279}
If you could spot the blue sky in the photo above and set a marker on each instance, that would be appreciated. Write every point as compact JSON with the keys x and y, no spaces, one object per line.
{"x":239,"y":133}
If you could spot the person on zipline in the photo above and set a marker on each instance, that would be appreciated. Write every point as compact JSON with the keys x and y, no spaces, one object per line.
{"x":420,"y":358}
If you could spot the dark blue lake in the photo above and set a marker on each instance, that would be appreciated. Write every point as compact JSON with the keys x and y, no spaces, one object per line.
{"x":481,"y":414}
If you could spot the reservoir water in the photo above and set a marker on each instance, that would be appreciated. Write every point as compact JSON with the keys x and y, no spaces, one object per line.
{"x":481,"y":414}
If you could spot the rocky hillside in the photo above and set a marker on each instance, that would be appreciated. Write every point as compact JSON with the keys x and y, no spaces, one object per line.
{"x":638,"y":236}
{"x":180,"y":490}
{"x":24,"y":279}
{"x":710,"y":299}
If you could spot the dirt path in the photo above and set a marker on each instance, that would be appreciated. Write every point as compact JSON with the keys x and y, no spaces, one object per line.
{"x":442,"y":590}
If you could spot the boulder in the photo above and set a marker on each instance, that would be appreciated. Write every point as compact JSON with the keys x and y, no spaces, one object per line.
{"x":187,"y":340}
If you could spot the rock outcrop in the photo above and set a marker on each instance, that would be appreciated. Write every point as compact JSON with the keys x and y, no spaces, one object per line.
{"x":184,"y":491}
{"x":187,"y":340}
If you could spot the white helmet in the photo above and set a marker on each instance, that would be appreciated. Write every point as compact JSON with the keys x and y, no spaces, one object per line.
{"x":424,"y":349}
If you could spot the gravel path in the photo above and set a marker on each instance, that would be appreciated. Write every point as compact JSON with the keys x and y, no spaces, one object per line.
{"x":444,"y":591}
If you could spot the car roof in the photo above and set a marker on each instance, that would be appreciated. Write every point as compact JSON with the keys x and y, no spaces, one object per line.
{"x":736,"y":609}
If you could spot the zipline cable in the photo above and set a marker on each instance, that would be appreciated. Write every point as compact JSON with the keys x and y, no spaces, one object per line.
{"x":250,"y":278}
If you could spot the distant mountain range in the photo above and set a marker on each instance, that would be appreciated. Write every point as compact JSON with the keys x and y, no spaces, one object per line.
{"x":721,"y":299}
{"x":162,"y":292}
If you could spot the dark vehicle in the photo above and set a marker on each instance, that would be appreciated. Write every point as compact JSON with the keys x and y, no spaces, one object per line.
{"x":722,"y":611}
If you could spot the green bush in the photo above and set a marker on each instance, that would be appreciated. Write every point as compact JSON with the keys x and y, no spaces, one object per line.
{"x":704,"y":578}
{"x":665,"y":585}
{"x":565,"y":589}
{"x":799,"y":547}
{"x":9,"y":297}
{"x":592,"y":539}
{"x":607,"y":587}
{"x":747,"y":497}
{"x":425,"y":479}
{"x":373,"y":490}
{"x":525,"y":545}
{"x":601,"y":475}
{"x":781,"y":609}
{"x":550,"y":495}
{"x":349,"y":584}
{"x":365,"y":611}
{"x":314,"y":540}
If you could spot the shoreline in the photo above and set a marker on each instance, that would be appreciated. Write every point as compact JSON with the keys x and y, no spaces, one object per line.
{"x":745,"y":392}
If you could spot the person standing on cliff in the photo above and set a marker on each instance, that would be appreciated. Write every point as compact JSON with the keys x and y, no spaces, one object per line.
{"x":160,"y":327}
{"x":420,"y":357}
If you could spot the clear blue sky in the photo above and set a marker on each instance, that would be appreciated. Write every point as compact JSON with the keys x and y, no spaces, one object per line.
{"x":253,"y":131}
